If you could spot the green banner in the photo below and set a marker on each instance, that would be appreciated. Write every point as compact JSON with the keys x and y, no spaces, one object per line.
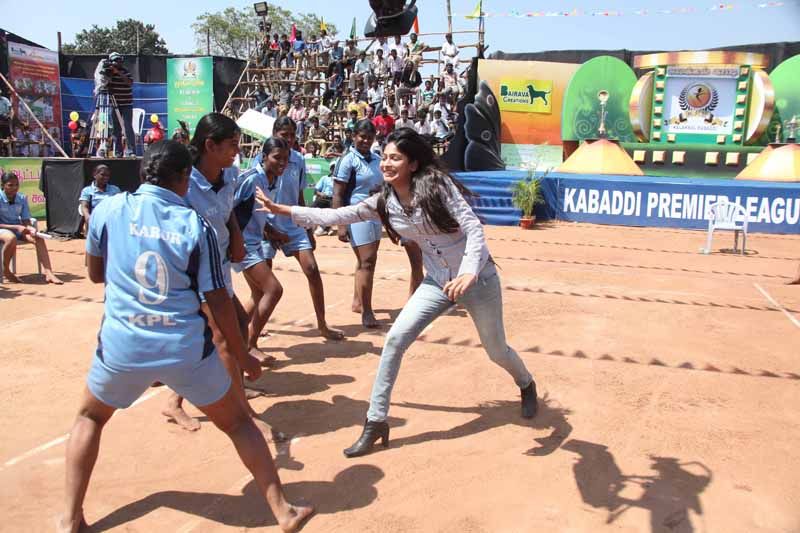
{"x":28,"y":170}
{"x":190,"y":90}
{"x":316,"y":167}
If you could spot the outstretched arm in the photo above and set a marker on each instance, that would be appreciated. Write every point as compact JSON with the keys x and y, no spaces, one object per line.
{"x":310,"y":216}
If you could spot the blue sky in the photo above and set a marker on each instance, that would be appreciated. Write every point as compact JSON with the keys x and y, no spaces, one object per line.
{"x":702,"y":29}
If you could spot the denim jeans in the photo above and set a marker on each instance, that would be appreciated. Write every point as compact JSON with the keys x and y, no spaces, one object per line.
{"x":126,"y":112}
{"x":484,"y":303}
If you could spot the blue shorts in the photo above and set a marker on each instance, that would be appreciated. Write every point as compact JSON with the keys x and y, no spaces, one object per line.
{"x":366,"y":232}
{"x":202,"y":383}
{"x":253,"y":256}
{"x":298,"y":240}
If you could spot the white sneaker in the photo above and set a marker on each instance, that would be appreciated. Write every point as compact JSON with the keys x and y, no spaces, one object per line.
{"x":320,"y":231}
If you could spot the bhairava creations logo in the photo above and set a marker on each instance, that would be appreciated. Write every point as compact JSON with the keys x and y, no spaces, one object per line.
{"x":528,"y":96}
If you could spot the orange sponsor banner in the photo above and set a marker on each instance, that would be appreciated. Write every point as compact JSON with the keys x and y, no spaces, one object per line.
{"x":539,"y":124}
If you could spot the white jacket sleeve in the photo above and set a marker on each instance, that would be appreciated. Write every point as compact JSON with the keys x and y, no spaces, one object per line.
{"x":360,"y":212}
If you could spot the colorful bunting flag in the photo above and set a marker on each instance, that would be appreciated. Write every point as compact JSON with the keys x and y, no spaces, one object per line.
{"x":575,"y":12}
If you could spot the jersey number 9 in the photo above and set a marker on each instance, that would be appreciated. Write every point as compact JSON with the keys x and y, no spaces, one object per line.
{"x":155,"y":292}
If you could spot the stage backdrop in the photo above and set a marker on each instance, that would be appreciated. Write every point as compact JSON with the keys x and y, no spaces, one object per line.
{"x":530,"y":95}
{"x":27,"y":169}
{"x":190,"y":90}
{"x":34,"y":74}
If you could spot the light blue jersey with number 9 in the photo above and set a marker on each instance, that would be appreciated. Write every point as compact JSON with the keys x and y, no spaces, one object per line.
{"x":159,"y":254}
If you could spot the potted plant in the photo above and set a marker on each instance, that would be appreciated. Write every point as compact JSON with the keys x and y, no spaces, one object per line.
{"x":526,"y":194}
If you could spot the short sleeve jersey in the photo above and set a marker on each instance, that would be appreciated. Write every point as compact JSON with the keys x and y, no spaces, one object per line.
{"x":93,"y":196}
{"x":325,"y":186}
{"x":369,"y":177}
{"x":215,"y":206}
{"x":14,"y":211}
{"x":250,"y":218}
{"x":159,"y":254}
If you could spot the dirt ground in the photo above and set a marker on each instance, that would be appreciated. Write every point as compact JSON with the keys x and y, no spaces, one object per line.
{"x":669,"y":384}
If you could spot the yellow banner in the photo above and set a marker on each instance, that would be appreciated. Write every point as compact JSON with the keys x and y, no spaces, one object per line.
{"x":525,"y":96}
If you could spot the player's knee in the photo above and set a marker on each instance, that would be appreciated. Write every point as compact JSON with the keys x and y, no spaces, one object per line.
{"x":368,"y":263}
{"x":312,"y":270}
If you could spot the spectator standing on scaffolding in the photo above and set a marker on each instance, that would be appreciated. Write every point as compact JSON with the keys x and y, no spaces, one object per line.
{"x":325,"y":45}
{"x":322,"y":112}
{"x":395,"y":66}
{"x":273,"y":53}
{"x":313,"y":46}
{"x":299,"y":49}
{"x":450,"y":51}
{"x":286,"y":52}
{"x":350,"y":56}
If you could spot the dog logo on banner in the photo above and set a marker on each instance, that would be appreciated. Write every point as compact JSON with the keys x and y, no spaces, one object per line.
{"x":527,"y":96}
{"x":698,"y":99}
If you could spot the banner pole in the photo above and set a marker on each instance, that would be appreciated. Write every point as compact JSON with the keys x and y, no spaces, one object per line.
{"x":30,"y":112}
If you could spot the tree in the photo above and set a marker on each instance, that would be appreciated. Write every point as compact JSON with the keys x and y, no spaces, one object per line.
{"x":234,"y":32}
{"x":127,"y":37}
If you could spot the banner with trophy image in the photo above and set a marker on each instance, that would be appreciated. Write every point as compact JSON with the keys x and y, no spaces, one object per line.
{"x":190,"y":90}
{"x":700,"y":99}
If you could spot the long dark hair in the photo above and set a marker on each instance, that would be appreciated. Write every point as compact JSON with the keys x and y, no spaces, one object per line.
{"x":164,"y":163}
{"x":214,"y":126}
{"x":429,"y":184}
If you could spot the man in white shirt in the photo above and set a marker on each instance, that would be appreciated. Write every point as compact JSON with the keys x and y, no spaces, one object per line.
{"x":269,"y":109}
{"x":325,"y":45}
{"x":404,"y":121}
{"x":395,"y":66}
{"x":400,"y":47}
{"x":440,"y":128}
{"x":360,"y":71}
{"x":442,"y":106}
{"x":449,"y":51}
{"x":380,"y":67}
{"x":375,"y":95}
{"x":319,"y":110}
{"x":422,"y":125}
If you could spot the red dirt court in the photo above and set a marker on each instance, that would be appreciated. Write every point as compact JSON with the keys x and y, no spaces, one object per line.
{"x":669,"y":385}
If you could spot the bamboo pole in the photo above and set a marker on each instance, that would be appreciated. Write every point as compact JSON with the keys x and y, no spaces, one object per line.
{"x":237,"y":85}
{"x":30,"y":112}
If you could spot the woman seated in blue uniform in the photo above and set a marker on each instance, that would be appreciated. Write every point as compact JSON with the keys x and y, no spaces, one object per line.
{"x":156,"y":257}
{"x":16,"y":224}
{"x":96,"y":192}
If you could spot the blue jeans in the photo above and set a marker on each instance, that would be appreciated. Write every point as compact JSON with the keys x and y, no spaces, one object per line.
{"x":484,"y":303}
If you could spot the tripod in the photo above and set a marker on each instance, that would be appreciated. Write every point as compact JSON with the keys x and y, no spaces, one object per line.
{"x":100,"y":135}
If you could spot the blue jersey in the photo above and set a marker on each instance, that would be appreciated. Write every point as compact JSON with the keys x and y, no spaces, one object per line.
{"x":287,"y":190}
{"x":159,"y":255}
{"x":215,"y":204}
{"x":366,"y":169}
{"x":325,"y":186}
{"x":250,"y":219}
{"x":93,"y":196}
{"x":14,"y":212}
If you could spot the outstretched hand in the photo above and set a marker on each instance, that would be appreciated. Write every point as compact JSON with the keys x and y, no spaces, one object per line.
{"x":269,"y":205}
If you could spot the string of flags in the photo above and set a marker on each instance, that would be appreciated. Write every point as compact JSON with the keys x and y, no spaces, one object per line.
{"x":477,"y":12}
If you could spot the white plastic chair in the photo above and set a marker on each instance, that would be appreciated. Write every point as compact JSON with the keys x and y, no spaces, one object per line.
{"x":138,"y":123}
{"x":729,"y":216}
{"x":13,"y":264}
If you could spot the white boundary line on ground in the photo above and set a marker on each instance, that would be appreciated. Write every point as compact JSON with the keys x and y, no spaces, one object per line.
{"x":55,"y":442}
{"x":778,"y":306}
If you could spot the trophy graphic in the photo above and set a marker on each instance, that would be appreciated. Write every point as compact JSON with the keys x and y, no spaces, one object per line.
{"x":602,"y":96}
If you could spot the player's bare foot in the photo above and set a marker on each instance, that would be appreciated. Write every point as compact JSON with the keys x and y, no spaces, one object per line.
{"x":794,"y":282}
{"x":12,"y":277}
{"x":66,"y":525}
{"x":264,"y":359}
{"x":356,"y":307}
{"x":331,"y":334}
{"x":368,"y":320}
{"x":177,"y":415}
{"x":52,"y":278}
{"x":292,"y":520}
